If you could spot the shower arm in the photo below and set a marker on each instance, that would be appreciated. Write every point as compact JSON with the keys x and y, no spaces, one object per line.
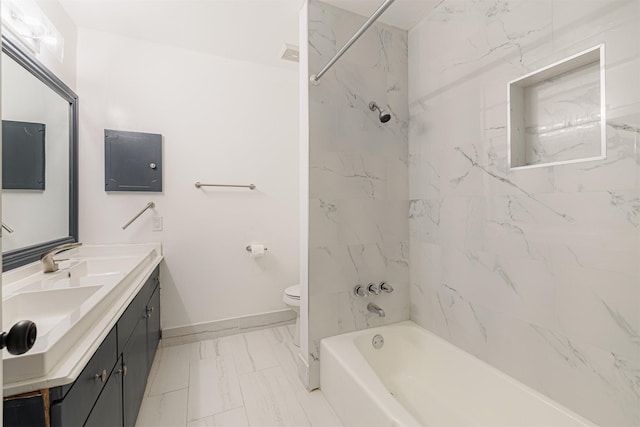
{"x":314,"y":78}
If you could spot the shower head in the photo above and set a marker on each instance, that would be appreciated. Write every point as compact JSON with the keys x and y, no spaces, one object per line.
{"x":382,"y":115}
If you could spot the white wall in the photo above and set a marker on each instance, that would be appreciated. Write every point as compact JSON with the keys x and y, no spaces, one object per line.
{"x":223,"y":121}
{"x":534,"y":271}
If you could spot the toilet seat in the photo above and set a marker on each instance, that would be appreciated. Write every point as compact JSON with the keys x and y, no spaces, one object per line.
{"x":291,"y":297}
{"x":293,"y":292}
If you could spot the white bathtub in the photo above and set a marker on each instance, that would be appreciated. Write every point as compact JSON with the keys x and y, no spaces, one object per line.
{"x":419,"y":379}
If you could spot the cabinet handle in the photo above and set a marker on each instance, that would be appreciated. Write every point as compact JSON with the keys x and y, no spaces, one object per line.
{"x":149,"y":311}
{"x":101,"y":376}
{"x":123,"y":371}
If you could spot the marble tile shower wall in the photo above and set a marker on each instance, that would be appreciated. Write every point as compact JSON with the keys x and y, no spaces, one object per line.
{"x":534,"y":271}
{"x":358,"y":178}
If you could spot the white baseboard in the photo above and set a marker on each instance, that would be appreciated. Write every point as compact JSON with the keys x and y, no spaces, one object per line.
{"x":225,"y":327}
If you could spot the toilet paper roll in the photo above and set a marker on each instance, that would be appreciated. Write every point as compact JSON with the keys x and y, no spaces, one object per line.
{"x":257,"y":250}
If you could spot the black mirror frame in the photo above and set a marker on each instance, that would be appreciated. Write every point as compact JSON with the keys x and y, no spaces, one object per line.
{"x":22,"y":256}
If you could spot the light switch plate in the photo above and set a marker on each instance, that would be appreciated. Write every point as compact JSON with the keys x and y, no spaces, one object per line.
{"x":157,"y":223}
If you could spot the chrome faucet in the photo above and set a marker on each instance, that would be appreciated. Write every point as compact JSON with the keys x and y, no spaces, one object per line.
{"x":48,"y":263}
{"x":373,"y":308}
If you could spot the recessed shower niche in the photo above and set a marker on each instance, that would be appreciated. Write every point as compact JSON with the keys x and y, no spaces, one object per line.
{"x":556,"y":114}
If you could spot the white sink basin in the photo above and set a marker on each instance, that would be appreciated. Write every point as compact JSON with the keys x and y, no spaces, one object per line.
{"x":45,"y":308}
{"x":66,"y":304}
{"x":60,"y":315}
{"x":63,"y":281}
{"x":92,"y":267}
{"x":76,"y":272}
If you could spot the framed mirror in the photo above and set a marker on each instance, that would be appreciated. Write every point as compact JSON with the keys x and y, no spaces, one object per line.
{"x":39,"y":157}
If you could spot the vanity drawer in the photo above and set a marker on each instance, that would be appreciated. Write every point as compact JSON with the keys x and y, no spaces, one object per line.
{"x":76,"y":405}
{"x":137,"y":310}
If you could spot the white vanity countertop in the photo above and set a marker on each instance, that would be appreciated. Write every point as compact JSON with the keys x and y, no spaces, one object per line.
{"x":104,"y":279}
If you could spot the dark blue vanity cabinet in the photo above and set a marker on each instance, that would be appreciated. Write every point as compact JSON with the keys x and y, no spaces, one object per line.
{"x":135,"y":357}
{"x":83,"y":393}
{"x":154,"y":333}
{"x":109,"y":391}
{"x":107,"y":410}
{"x":136,"y":335}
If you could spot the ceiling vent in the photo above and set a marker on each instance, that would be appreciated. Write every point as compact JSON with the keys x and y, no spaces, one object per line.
{"x":290,"y":52}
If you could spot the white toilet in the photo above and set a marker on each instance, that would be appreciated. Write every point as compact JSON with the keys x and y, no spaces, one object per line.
{"x":291,"y":297}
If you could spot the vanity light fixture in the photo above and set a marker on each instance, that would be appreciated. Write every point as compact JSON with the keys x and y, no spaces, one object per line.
{"x":27,"y":23}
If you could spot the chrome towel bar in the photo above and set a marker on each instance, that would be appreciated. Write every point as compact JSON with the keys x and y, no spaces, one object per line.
{"x":199,"y":184}
{"x":150,"y":205}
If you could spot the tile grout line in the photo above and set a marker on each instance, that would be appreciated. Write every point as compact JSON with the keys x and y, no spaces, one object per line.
{"x":246,"y":416}
{"x":276,"y":342}
{"x":244,"y":403}
{"x":186,"y":412}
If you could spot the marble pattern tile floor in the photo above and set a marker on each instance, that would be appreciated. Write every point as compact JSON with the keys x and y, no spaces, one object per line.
{"x":244,"y":380}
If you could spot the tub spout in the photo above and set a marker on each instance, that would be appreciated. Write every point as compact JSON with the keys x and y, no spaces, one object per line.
{"x":373,"y":308}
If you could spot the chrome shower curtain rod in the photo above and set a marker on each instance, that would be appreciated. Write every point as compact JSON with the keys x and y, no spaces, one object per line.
{"x":315,"y":77}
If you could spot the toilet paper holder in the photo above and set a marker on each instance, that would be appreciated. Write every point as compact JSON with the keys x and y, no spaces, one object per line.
{"x":248,"y":248}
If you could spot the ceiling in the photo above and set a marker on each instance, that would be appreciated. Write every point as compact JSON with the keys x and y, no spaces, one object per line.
{"x":249,"y":30}
{"x":404,"y":14}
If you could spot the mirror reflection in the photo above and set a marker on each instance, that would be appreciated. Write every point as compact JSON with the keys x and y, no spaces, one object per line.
{"x":35,"y":152}
{"x":39,"y":159}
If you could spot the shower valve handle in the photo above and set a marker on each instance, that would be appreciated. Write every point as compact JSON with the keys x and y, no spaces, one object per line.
{"x":385,"y":287}
{"x":360,"y":291}
{"x":373,"y":288}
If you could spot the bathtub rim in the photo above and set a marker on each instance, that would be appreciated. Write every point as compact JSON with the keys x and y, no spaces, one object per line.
{"x":365,"y":370}
{"x":394,"y":411}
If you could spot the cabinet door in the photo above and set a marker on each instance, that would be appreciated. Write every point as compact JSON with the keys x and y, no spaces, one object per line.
{"x":76,"y":405}
{"x":134,"y":362}
{"x":107,"y":411}
{"x":136,"y":310}
{"x":24,"y":412}
{"x":153,"y":326}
